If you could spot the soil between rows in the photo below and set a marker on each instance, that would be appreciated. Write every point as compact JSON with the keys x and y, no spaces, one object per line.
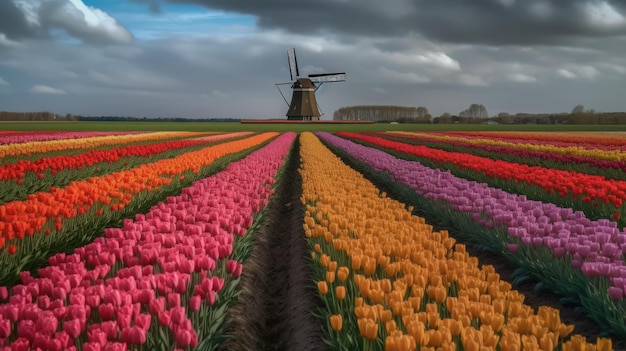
{"x":274,"y":310}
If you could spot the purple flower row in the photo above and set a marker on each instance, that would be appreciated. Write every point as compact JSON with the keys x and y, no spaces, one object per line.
{"x":597,"y":248}
{"x":150,"y":276}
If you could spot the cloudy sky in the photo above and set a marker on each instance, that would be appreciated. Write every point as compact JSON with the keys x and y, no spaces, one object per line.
{"x":221,"y":58}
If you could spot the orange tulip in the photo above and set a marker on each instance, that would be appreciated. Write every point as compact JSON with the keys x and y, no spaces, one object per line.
{"x":322,"y":287}
{"x":340,"y":292}
{"x":336,"y":322}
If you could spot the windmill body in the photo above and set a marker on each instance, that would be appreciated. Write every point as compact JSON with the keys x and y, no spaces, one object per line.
{"x":303,"y":105}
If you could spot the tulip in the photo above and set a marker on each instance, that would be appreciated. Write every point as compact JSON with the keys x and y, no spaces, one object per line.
{"x":322,"y":287}
{"x":72,"y":328}
{"x":336,"y":322}
{"x":194,"y":303}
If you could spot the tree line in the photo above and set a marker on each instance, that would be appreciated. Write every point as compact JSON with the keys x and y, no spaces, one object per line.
{"x":474,"y":114}
{"x":35,"y":116}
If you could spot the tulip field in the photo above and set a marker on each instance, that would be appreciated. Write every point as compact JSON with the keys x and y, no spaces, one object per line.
{"x":431,"y":241}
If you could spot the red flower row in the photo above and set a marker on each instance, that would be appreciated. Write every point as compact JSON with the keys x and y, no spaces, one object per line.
{"x":58,"y":163}
{"x":590,"y":187}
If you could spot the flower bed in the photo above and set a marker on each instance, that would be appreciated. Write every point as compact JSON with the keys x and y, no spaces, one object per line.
{"x":571,"y":254}
{"x":389,"y":282}
{"x":163,"y":281}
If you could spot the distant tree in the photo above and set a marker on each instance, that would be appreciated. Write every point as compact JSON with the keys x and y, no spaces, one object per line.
{"x":578,"y":109}
{"x":423,"y":116}
{"x":445,"y":118}
{"x":475,"y":111}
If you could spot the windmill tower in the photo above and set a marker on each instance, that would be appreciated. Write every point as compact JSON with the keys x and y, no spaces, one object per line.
{"x":303,"y":105}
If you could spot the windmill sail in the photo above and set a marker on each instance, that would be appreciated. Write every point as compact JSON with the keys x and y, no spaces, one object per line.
{"x":327,"y":77}
{"x":293,"y":64}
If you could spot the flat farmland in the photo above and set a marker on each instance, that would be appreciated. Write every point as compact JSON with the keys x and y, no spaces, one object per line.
{"x":229,"y":236}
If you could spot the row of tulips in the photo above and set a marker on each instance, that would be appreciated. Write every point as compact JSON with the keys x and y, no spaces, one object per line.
{"x":68,"y":217}
{"x":162,"y":282}
{"x":36,"y":147}
{"x":387,"y":277}
{"x":597,"y":196}
{"x":13,"y":137}
{"x":55,"y":164}
{"x":539,"y":155}
{"x":579,"y":148}
{"x":571,"y":254}
{"x":24,"y":177}
{"x":604,"y":141}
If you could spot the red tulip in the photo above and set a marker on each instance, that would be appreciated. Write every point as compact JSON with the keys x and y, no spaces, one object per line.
{"x":21,"y":344}
{"x":97,"y":336}
{"x":26,"y":329}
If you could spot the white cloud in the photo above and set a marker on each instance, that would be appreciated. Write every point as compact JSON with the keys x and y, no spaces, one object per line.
{"x":44,"y":89}
{"x":86,"y":22}
{"x":521,"y":78}
{"x":567,"y":74}
{"x":579,"y":71}
{"x":603,"y":14}
{"x":402,"y":77}
{"x":472,"y":80}
{"x":435,"y":59}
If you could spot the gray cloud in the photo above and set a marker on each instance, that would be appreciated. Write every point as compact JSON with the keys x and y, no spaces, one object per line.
{"x":38,"y":19}
{"x":13,"y":23}
{"x":494,"y":22}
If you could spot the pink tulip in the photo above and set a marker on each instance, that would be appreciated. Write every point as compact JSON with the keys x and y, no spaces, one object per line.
{"x":186,"y":338}
{"x":92,"y":346}
{"x":195,"y":303}
{"x":97,"y":336}
{"x":164,"y":318}
{"x":26,"y":329}
{"x":157,"y":305}
{"x":54,"y":345}
{"x":173,"y":300}
{"x":111,"y":329}
{"x":5,"y":328}
{"x":106,"y":312}
{"x":124,"y":316}
{"x":47,"y":323}
{"x":40,"y":341}
{"x":137,"y":336}
{"x":4,"y":292}
{"x":92,"y":301}
{"x":512,"y":247}
{"x":178,"y":315}
{"x":72,"y":328}
{"x":616,"y":293}
{"x":63,"y":338}
{"x":143,"y":321}
{"x":114,"y":346}
{"x":20,"y":344}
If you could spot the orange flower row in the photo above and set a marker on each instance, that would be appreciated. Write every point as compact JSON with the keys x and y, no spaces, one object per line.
{"x":410,"y":285}
{"x":20,"y":218}
{"x":85,"y":143}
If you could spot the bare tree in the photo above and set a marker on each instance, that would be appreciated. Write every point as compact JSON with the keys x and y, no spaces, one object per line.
{"x":475,"y":111}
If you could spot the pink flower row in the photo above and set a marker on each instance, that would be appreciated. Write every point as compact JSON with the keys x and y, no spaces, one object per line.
{"x":150,"y":278}
{"x":25,"y":137}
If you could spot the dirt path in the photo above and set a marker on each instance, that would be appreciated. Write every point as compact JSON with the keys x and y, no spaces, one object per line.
{"x":276,"y":302}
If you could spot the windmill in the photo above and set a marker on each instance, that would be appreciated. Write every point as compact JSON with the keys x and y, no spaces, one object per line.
{"x":303,"y":104}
